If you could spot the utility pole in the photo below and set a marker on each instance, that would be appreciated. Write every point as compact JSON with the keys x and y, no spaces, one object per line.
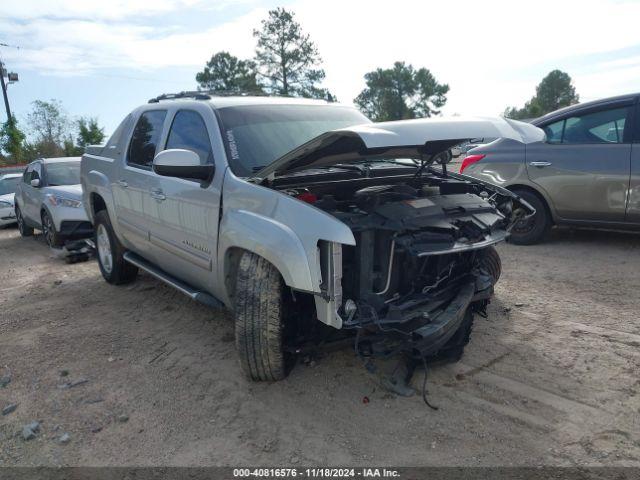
{"x":4,"y":92}
{"x":4,"y":85}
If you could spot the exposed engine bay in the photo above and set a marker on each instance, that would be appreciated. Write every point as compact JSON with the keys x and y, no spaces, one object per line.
{"x":423,"y":261}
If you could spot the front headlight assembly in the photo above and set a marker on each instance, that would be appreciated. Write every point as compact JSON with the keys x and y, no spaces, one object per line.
{"x":57,"y":201}
{"x":4,"y":204}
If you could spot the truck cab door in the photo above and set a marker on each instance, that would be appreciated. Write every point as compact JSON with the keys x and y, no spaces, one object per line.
{"x":186,"y":231}
{"x":135,"y":180}
{"x":584,"y":165}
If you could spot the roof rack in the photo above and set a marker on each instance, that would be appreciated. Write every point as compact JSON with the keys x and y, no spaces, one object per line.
{"x":197,"y":95}
{"x":203,"y":95}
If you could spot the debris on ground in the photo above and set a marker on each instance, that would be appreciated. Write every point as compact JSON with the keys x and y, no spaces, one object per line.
{"x":64,"y":373}
{"x":76,"y":383}
{"x":29,"y":431}
{"x":9,"y":408}
{"x":64,"y":438}
{"x":123,"y":418}
{"x":5,"y":380}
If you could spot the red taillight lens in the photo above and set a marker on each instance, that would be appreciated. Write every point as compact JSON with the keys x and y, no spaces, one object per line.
{"x":307,"y":197}
{"x":471,"y":159}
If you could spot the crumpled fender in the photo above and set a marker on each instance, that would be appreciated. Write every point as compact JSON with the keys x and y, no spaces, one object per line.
{"x":283,"y":230}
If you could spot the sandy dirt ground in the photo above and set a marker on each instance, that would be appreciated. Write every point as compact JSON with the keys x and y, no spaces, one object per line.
{"x":550,"y":378}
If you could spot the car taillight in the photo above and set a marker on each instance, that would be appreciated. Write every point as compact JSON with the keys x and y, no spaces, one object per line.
{"x":470,"y":160}
{"x":307,"y":197}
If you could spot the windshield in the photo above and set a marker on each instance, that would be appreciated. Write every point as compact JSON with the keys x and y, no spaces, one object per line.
{"x":257,"y":135}
{"x":9,"y":185}
{"x":67,"y":173}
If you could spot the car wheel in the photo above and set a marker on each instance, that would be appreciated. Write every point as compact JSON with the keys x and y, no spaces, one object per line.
{"x":453,"y":350}
{"x":534,"y":229}
{"x":491,"y":262}
{"x":53,"y":238}
{"x":23,"y":228}
{"x":114,"y":268}
{"x":259,"y":319}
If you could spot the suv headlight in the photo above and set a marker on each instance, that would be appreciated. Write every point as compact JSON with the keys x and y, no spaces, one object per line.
{"x":5,"y":204}
{"x":57,"y":201}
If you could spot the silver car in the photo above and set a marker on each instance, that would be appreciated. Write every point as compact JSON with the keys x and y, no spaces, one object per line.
{"x":585,"y":173}
{"x":49,"y":198}
{"x":308,"y":227}
{"x":8,"y":185}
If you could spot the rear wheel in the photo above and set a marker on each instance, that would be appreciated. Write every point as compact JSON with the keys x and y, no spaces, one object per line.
{"x":534,"y":229}
{"x":114,"y":268}
{"x":259,"y":319}
{"x":23,"y":228}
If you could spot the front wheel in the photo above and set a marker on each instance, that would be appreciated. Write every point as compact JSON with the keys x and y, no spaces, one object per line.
{"x":23,"y":228}
{"x":52,"y":237}
{"x":114,"y":268}
{"x":490,"y":261}
{"x":259,"y":318}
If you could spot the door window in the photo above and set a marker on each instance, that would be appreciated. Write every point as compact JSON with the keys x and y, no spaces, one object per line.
{"x":36,"y":174}
{"x":554,"y":131}
{"x":26,"y":176}
{"x":605,"y":126}
{"x":189,"y":132}
{"x":145,"y":138}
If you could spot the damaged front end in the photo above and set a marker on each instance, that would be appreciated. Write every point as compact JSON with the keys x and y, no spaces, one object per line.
{"x":423,"y":262}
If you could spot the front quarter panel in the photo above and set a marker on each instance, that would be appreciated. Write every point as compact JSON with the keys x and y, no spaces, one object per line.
{"x":283,"y":230}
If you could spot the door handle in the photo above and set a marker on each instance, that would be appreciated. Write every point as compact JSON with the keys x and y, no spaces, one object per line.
{"x":123,"y":184}
{"x":540,"y":164}
{"x":158,"y":195}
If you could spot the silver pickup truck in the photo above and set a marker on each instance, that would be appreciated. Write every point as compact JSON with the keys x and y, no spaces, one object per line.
{"x":310,"y":229}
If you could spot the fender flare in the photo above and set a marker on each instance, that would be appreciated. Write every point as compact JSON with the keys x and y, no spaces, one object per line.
{"x":272,"y":240}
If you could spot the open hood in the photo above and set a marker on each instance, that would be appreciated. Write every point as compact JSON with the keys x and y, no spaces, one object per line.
{"x":401,"y":139}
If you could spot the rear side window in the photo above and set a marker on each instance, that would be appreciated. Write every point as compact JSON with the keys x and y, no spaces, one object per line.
{"x":189,"y":132}
{"x":605,"y":126}
{"x":145,"y":138}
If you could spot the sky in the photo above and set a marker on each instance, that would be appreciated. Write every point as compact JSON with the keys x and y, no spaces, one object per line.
{"x":104,"y":58}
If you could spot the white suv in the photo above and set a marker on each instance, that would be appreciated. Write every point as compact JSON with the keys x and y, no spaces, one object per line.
{"x":49,"y":198}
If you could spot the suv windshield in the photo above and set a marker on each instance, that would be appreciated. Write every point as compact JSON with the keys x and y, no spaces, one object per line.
{"x":9,"y":185}
{"x":257,"y":135}
{"x":63,"y":174}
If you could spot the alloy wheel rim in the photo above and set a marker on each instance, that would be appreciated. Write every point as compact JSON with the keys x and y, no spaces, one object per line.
{"x":48,"y":229}
{"x":104,"y":249}
{"x":20,"y":221}
{"x":525,"y":226}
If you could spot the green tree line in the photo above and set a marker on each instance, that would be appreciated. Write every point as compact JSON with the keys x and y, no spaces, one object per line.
{"x":51,"y":133}
{"x":286,"y":63}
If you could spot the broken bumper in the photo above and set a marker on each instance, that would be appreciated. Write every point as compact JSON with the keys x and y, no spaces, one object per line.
{"x":421,"y":327}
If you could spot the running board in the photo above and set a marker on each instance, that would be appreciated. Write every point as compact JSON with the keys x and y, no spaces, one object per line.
{"x":196,"y":295}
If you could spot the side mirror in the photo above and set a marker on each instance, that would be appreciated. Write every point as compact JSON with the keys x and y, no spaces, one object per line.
{"x":180,"y":163}
{"x":35,"y":183}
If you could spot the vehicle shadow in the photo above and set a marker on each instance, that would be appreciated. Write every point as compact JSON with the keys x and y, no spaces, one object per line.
{"x":565,"y":235}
